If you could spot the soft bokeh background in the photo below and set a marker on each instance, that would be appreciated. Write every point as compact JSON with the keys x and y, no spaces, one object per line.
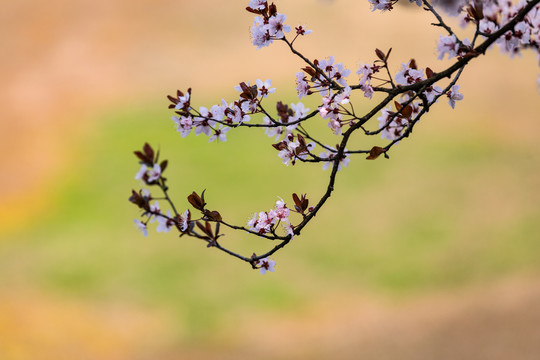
{"x":432,"y":254}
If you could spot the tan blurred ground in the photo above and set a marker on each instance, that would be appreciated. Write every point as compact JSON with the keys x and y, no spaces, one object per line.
{"x":493,"y":322}
{"x":65,"y":61}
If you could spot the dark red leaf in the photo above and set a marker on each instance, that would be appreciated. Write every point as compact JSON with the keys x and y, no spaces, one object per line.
{"x":258,"y":12}
{"x":200,"y":226}
{"x":387,"y":54}
{"x":149,"y":152}
{"x":305,"y":202}
{"x":407,"y":111}
{"x":310,"y":71}
{"x":380,"y":54}
{"x":196,"y":201}
{"x":375,"y":152}
{"x":272,"y":9}
{"x":280,"y":145}
{"x":297,"y":200}
{"x":202,"y":197}
{"x":143,"y":158}
{"x":246,"y":90}
{"x":163,"y":165}
{"x":213,"y":215}
{"x":301,"y":140}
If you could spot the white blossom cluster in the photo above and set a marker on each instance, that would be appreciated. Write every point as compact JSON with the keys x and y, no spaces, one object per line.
{"x":266,"y":221}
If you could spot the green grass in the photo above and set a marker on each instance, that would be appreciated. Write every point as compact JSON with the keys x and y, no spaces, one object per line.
{"x":426,"y":219}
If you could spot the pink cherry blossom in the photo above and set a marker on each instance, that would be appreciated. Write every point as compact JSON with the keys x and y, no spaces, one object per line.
{"x":335,"y":126}
{"x":257,"y":4}
{"x":299,"y":111}
{"x":488,"y":27}
{"x":146,"y":194}
{"x":512,"y":40}
{"x":264,"y":88}
{"x":219,"y":134}
{"x":331,"y":155}
{"x":289,"y":229}
{"x":276,"y":27}
{"x":382,"y":5}
{"x":454,"y":95}
{"x":366,"y":72}
{"x":301,"y":31}
{"x":344,"y":96}
{"x":408,"y":75}
{"x":154,"y":173}
{"x":335,"y":72}
{"x":265,"y":265}
{"x":302,"y":86}
{"x":339,"y":73}
{"x":288,"y":154}
{"x":259,"y":34}
{"x":392,"y":128}
{"x":432,"y":92}
{"x":155,"y":210}
{"x":291,"y":152}
{"x":249,"y":106}
{"x":203,"y":124}
{"x":274,"y":131}
{"x":330,"y":108}
{"x":141,"y":172}
{"x":183,"y":102}
{"x":141,"y":226}
{"x":368,"y":91}
{"x":164,"y":223}
{"x":281,"y":212}
{"x":184,"y":124}
{"x":184,"y":220}
{"x":235,"y":115}
{"x":447,"y":45}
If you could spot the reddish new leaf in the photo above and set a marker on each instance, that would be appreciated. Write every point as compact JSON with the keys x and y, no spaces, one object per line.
{"x":213,"y":215}
{"x":297,"y":201}
{"x":206,"y":229}
{"x":163,"y":165}
{"x":407,"y":111}
{"x":280,"y":145}
{"x":380,"y":54}
{"x":387,"y":54}
{"x":375,"y":152}
{"x":272,"y":10}
{"x":143,"y":158}
{"x":196,"y":201}
{"x":139,"y":200}
{"x":148,"y":151}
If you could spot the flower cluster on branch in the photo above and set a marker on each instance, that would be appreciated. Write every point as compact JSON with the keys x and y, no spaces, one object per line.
{"x":408,"y":95}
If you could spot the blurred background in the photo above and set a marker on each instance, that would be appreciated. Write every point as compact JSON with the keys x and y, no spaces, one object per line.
{"x":433,"y":254}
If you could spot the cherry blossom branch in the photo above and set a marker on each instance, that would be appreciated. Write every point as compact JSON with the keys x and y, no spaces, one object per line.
{"x":411,"y":92}
{"x":314,"y":66}
{"x":440,"y":20}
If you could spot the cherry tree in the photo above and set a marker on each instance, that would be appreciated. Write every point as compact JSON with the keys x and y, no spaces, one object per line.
{"x":408,"y":95}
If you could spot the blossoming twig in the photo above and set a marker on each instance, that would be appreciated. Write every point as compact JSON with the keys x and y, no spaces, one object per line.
{"x":409,"y":95}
